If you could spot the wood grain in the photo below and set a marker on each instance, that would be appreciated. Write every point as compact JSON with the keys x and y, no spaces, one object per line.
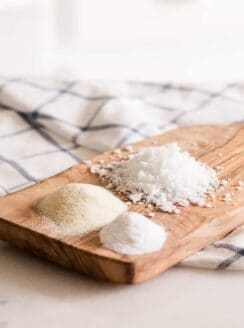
{"x":188,"y":232}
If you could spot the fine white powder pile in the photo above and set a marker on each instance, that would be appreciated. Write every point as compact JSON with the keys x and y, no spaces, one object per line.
{"x":165,"y":176}
{"x":133,"y":234}
{"x":80,"y":208}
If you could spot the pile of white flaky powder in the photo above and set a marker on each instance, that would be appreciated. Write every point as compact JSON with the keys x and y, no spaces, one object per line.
{"x":163,"y":176}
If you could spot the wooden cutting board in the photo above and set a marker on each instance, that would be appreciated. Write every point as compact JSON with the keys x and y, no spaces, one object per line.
{"x":188,"y":232}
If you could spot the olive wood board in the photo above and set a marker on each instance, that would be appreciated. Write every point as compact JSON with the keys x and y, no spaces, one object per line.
{"x":188,"y":232}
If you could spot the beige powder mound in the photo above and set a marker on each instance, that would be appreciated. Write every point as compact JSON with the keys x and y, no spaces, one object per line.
{"x":80,"y":208}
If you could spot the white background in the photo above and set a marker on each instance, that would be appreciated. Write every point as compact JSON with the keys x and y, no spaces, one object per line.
{"x":123,"y":39}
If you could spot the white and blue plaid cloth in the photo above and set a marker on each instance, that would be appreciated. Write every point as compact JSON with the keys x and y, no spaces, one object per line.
{"x":47,"y":126}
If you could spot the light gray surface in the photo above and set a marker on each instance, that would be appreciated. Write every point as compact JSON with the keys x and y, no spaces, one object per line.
{"x":35,"y":293}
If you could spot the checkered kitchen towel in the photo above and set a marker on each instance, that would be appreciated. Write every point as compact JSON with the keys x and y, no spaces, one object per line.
{"x":47,"y":126}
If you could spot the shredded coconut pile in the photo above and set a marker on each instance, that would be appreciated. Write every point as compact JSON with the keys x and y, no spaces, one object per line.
{"x":133,"y":234}
{"x":165,"y":176}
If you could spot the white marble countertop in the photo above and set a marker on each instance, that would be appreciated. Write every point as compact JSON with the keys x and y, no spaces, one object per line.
{"x":35,"y":293}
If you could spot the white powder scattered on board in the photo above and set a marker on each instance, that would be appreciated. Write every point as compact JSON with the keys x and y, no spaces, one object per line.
{"x":133,"y":234}
{"x":223,"y":182}
{"x":151,"y":214}
{"x":227,"y":197}
{"x":128,"y":148}
{"x":240,"y":185}
{"x":208,"y":205}
{"x":80,"y":208}
{"x":117,"y":151}
{"x":87,"y":162}
{"x":165,"y":176}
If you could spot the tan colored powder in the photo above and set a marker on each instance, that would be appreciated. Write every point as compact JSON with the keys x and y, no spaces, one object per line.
{"x":80,"y":208}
